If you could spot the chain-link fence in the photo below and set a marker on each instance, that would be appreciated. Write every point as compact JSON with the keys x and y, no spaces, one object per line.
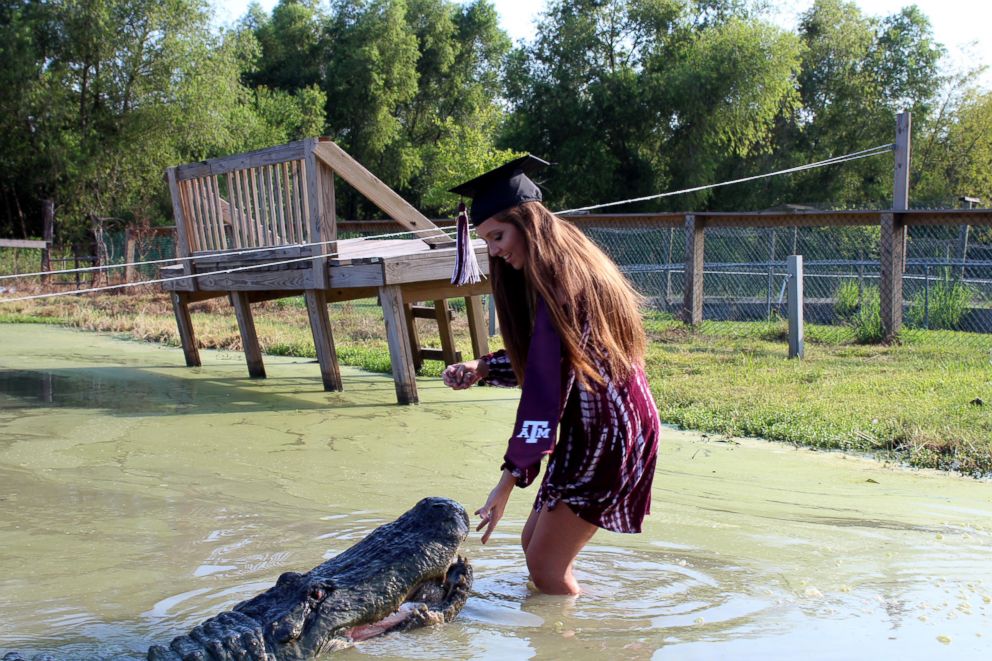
{"x":947,"y":277}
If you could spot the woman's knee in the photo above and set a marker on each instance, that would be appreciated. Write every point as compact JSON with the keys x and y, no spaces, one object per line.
{"x":551,"y":578}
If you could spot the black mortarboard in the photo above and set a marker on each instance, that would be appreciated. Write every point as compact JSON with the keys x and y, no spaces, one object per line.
{"x":502,"y":188}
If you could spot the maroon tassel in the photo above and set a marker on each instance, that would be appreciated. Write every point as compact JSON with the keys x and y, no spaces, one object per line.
{"x":466,"y":265}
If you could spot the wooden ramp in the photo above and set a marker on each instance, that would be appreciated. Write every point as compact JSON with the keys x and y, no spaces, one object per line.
{"x":262,"y":225}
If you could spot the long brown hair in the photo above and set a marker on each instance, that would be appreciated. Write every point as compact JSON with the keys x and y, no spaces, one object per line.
{"x":580,"y":285}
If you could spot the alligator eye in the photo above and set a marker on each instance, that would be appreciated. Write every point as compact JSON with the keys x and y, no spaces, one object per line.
{"x":288,"y":577}
{"x":317,"y":594}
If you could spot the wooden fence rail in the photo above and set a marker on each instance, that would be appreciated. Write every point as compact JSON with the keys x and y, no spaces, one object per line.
{"x":892,"y":224}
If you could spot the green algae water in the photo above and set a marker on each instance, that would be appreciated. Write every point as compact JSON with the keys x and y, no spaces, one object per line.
{"x":139,"y":497}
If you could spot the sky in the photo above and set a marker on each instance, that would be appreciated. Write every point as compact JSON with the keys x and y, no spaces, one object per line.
{"x":963,"y":26}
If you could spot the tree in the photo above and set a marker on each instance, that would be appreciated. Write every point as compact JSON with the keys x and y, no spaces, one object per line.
{"x":111,"y":92}
{"x":857,"y":73}
{"x":955,"y":158}
{"x":635,"y":96}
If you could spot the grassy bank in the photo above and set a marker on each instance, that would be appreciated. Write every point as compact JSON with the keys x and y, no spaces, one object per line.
{"x":923,"y":401}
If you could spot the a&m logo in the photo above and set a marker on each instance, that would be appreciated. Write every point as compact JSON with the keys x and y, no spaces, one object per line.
{"x":532,"y":430}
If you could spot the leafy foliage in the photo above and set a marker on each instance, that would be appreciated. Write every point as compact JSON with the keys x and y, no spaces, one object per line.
{"x":628,"y":98}
{"x":942,"y":305}
{"x":867,"y":321}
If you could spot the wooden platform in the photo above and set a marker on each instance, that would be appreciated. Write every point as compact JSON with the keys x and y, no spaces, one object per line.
{"x":235,"y":217}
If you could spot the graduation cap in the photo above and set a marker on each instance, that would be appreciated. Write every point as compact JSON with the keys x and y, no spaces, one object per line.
{"x":491,"y":192}
{"x":502,"y":188}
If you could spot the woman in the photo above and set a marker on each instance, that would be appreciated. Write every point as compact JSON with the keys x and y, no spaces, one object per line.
{"x":572,"y":330}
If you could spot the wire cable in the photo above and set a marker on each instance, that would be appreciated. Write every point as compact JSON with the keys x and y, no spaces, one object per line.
{"x":246,"y":251}
{"x":874,"y":151}
{"x":865,"y":153}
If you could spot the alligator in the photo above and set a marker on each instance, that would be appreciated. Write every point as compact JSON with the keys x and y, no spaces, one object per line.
{"x":403,"y":575}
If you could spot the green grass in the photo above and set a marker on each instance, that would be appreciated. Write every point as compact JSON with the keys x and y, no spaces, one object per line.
{"x":910,"y":400}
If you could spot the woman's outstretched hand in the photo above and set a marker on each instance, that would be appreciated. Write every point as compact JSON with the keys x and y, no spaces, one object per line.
{"x":464,"y":375}
{"x":492,"y":511}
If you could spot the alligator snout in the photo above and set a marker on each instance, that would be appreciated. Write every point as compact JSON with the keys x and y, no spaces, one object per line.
{"x":403,"y":575}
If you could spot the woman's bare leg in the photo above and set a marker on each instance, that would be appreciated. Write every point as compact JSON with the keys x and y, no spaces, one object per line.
{"x":552,"y":539}
{"x":528,"y":530}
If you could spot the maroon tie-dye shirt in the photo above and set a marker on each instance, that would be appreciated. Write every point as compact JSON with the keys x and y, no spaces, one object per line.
{"x":603,"y":463}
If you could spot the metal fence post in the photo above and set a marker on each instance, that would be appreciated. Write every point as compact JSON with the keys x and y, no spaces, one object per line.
{"x":796,"y":339}
{"x":492,"y":315}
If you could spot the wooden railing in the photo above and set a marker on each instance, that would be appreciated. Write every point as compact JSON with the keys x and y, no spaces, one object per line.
{"x":893,"y":225}
{"x":278,"y":197}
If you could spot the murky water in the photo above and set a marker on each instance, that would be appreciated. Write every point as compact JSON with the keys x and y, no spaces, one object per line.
{"x":139,"y":497}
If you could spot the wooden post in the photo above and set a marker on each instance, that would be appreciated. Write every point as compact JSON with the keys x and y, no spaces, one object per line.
{"x":400,"y":354}
{"x":323,"y":339}
{"x":796,"y":332}
{"x":692,"y":307}
{"x":477,"y":325}
{"x":900,"y":190}
{"x":249,"y":338}
{"x":180,"y":306}
{"x":894,"y":235}
{"x":130,"y":242}
{"x":893,"y":256}
{"x":492,"y":314}
{"x":96,"y":226}
{"x":48,"y":218}
{"x":411,"y":328}
{"x":668,"y":270}
{"x":443,"y":316}
{"x":315,"y":211}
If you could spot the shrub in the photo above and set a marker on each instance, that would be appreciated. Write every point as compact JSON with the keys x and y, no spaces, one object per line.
{"x":867,"y":321}
{"x":943,"y":307}
{"x":847,"y":299}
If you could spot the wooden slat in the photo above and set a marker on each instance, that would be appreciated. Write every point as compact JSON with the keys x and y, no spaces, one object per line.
{"x":355,"y":275}
{"x":209,"y":227}
{"x":287,"y":192}
{"x":305,"y":197}
{"x":196,"y":228}
{"x":229,"y":213}
{"x":218,"y":214}
{"x":253,"y":281}
{"x":251,"y":207}
{"x":247,"y":160}
{"x":379,"y":193}
{"x":237,"y":211}
{"x":358,"y":248}
{"x":303,"y":236}
{"x":200,"y":215}
{"x":299,"y":209}
{"x":424,"y":312}
{"x":259,"y":212}
{"x":282,"y":201}
{"x":328,"y":206}
{"x":265,"y":237}
{"x":440,"y":354}
{"x":260,"y":256}
{"x":427,"y":265}
{"x":21,"y":243}
{"x":430,"y":290}
{"x":270,"y":188}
